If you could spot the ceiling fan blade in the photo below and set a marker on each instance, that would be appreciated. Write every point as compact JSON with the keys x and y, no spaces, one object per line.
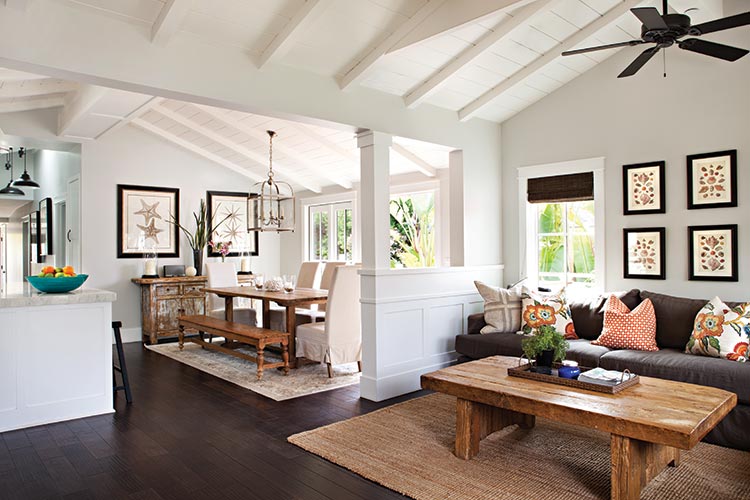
{"x":650,"y":18}
{"x":724,"y":23}
{"x":713,"y":49}
{"x":602,"y":47}
{"x":639,"y":61}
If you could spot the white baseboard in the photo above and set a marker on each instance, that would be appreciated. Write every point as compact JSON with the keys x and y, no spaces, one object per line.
{"x":396,"y":385}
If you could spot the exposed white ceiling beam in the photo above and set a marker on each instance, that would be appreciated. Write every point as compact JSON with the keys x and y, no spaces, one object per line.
{"x":254,"y":157}
{"x":432,"y":84}
{"x":77,"y":106}
{"x":571,"y":42}
{"x":18,"y":4}
{"x":7,"y":75}
{"x":418,"y":162}
{"x":359,"y":68}
{"x":283,"y":42}
{"x":454,"y":15}
{"x":30,"y":88}
{"x":278,"y":145}
{"x":138,"y":112}
{"x":30,"y":104}
{"x":149,"y":127}
{"x":169,"y":20}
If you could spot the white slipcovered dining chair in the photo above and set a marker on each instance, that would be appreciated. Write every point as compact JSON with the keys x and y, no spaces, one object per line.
{"x":338,"y":339}
{"x":308,"y":272}
{"x":318,"y":311}
{"x":223,"y":274}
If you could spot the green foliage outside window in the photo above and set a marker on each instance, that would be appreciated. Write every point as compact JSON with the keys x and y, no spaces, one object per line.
{"x":413,"y":230}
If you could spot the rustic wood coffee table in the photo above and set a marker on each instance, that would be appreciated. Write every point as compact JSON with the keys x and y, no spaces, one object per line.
{"x":649,"y":423}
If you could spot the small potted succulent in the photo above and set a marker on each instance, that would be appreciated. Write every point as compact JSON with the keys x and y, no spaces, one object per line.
{"x":545,"y":345}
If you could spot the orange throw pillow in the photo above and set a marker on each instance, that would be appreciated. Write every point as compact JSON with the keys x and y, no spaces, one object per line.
{"x":626,"y":329}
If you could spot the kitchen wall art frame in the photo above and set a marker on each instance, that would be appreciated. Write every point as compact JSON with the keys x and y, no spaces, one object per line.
{"x":143,"y":214}
{"x":644,"y":253}
{"x":231,"y":206}
{"x":713,"y":253}
{"x":34,"y":255}
{"x":45,"y":227}
{"x":643,"y":188}
{"x":712,"y":180}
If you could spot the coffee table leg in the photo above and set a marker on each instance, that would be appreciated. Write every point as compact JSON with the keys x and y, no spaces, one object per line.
{"x":635,"y":463}
{"x":475,"y":421}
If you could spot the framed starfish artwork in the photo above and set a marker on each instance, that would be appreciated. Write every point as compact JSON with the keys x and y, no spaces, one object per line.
{"x":227,"y":216}
{"x":712,"y":180}
{"x":143,"y":221}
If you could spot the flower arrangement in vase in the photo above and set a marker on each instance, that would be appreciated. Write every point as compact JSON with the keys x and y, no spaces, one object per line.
{"x":222,"y":247}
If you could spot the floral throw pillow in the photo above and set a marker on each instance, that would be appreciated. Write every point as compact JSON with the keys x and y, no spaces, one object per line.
{"x":721,"y":332}
{"x":539,"y":309}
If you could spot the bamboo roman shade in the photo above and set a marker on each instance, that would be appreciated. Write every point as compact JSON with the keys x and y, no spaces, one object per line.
{"x":560,"y":188}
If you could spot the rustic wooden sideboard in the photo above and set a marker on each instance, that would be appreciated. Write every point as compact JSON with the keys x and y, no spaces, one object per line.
{"x":161,"y":298}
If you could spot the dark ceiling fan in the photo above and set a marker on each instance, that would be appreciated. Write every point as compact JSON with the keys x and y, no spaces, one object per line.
{"x":667,"y":29}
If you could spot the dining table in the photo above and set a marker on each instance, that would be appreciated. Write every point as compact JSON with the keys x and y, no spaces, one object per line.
{"x":289,"y":300}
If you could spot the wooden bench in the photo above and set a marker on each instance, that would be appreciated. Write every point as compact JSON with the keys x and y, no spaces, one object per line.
{"x":237,"y":332}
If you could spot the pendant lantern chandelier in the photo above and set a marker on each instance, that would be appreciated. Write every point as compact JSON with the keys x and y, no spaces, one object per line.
{"x":271,"y":203}
{"x":10,"y":189}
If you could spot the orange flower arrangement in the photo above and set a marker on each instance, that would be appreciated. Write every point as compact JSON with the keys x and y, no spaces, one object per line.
{"x":539,"y":315}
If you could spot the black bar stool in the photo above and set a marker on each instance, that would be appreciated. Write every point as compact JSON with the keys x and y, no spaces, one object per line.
{"x":123,"y":369}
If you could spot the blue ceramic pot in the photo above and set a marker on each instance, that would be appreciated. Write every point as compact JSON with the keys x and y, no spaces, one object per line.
{"x":569,"y":369}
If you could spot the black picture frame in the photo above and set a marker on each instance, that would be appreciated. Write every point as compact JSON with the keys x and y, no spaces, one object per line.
{"x":701,"y":270}
{"x":34,"y":237}
{"x":128,"y":229}
{"x":629,"y":187}
{"x":633,"y":259}
{"x":239,"y":223}
{"x":699,"y":161}
{"x":45,"y":227}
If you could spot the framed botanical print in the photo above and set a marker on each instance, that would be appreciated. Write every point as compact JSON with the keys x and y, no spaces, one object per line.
{"x":227,"y":216}
{"x":644,"y":253}
{"x":712,"y":180}
{"x":143,"y":214}
{"x":45,"y":227}
{"x":643,"y":188}
{"x":713,"y":253}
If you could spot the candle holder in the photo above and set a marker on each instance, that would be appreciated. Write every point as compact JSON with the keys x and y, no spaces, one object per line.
{"x":245,"y":261}
{"x":150,"y":262}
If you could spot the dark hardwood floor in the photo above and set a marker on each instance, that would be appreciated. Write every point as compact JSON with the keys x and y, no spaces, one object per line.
{"x":187,"y":435}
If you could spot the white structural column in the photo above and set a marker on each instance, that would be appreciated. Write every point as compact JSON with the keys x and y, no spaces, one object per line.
{"x":456,"y":183}
{"x":374,"y":149}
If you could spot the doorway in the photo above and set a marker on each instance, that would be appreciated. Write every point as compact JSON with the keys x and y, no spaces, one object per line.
{"x":60,"y":232}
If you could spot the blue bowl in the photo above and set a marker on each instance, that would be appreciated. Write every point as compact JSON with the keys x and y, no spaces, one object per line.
{"x":57,"y":285}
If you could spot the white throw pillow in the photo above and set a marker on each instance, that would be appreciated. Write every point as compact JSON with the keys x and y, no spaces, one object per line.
{"x":502,"y":308}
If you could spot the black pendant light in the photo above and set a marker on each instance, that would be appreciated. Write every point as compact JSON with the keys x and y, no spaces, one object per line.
{"x":9,"y":189}
{"x":25,"y":179}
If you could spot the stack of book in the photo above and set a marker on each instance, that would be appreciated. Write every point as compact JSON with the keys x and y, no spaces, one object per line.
{"x":605,"y":377}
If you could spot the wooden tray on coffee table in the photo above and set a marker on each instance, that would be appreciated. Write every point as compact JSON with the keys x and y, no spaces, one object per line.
{"x":524,"y":371}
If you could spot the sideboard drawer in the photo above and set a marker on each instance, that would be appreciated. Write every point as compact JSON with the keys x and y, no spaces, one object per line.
{"x":196,"y":290}
{"x":162,"y":290}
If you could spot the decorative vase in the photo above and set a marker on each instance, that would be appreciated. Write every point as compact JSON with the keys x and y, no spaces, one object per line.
{"x":545,"y":358}
{"x":198,"y":261}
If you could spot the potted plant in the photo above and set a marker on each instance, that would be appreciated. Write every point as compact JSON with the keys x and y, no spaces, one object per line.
{"x":545,"y":345}
{"x":198,"y":239}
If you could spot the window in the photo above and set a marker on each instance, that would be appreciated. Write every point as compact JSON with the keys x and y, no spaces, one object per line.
{"x":565,"y":243}
{"x":331,"y":232}
{"x":562,"y":215}
{"x":413,"y":230}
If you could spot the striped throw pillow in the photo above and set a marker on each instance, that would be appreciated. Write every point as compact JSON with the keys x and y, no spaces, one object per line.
{"x":502,"y":308}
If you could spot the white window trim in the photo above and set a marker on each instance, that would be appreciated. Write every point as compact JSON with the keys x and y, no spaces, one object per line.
{"x":306,"y":203}
{"x":527,"y":263}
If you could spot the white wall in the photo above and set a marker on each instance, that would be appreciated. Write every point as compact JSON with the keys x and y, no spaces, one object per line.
{"x":131,"y":156}
{"x":52,"y":169}
{"x":703,"y":105}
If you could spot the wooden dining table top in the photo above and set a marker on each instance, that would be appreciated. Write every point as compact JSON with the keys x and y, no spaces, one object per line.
{"x":297,"y":297}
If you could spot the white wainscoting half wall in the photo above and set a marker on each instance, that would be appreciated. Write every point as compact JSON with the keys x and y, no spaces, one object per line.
{"x":410,"y":318}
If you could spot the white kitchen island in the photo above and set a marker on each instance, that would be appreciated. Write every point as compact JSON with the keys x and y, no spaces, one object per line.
{"x":55,"y":356}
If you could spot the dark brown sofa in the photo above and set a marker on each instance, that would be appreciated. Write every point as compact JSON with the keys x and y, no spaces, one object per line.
{"x":674,"y":323}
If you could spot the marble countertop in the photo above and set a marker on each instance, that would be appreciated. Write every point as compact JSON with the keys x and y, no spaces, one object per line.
{"x":24,"y":295}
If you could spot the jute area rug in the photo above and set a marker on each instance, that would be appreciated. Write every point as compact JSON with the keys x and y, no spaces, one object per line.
{"x":309,"y":378}
{"x":407,"y":448}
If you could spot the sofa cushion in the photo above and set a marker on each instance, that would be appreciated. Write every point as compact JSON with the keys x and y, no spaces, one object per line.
{"x":626,"y":329}
{"x":489,"y":344}
{"x":721,"y":332}
{"x":585,"y":353}
{"x":588,"y":313}
{"x":502,"y":308}
{"x":674,"y":318}
{"x":673,"y":364}
{"x":475,"y":323}
{"x":546,"y":309}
